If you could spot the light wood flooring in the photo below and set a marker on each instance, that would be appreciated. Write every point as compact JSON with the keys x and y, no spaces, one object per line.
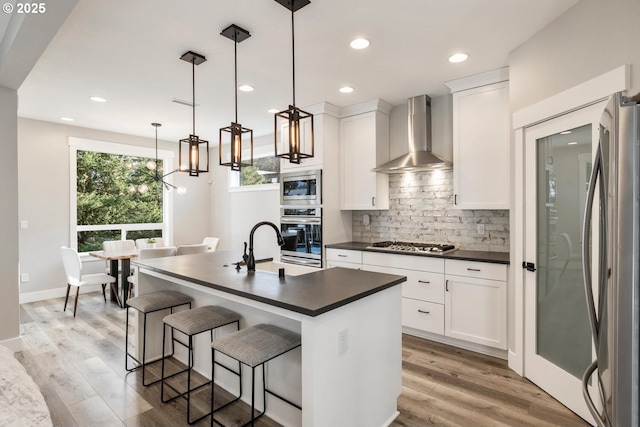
{"x":79,"y":365}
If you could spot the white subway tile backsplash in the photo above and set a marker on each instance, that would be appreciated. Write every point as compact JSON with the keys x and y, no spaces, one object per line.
{"x":421,"y":209}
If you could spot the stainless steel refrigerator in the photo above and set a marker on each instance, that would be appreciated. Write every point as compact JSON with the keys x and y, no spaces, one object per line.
{"x":615,"y":311}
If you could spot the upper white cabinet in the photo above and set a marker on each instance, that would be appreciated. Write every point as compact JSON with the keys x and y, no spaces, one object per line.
{"x":481,"y":130}
{"x":364,"y":141}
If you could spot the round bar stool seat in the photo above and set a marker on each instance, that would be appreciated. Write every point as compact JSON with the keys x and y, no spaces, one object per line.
{"x":145,"y":304}
{"x":190,"y":323}
{"x":255,"y":346}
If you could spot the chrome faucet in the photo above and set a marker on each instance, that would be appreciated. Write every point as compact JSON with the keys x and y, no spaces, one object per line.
{"x":250,"y":259}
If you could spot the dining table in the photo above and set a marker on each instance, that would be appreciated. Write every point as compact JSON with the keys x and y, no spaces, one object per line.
{"x":113,"y":257}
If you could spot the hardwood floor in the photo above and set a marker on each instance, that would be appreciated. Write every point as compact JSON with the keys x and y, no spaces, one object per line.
{"x":79,"y":365}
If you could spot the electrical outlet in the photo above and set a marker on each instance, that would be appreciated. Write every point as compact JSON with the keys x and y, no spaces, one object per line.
{"x":480,"y":228}
{"x":343,"y":341}
{"x":24,"y":277}
{"x":24,"y":224}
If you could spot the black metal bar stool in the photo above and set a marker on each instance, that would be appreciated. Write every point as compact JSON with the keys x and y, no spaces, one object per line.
{"x":146,"y":304}
{"x":255,"y":346}
{"x":190,"y":323}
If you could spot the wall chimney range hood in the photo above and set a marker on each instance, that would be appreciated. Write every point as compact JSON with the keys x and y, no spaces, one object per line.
{"x":419,"y":157}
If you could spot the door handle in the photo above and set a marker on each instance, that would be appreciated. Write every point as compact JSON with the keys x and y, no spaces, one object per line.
{"x":473,"y":269}
{"x":373,"y":201}
{"x":529,"y":266}
{"x":446,"y":285}
{"x":424,"y":281}
{"x":423,"y":312}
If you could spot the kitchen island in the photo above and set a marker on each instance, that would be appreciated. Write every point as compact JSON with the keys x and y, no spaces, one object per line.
{"x":348,"y":371}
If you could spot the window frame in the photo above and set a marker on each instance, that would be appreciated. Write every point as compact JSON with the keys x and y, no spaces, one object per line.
{"x":82,"y":144}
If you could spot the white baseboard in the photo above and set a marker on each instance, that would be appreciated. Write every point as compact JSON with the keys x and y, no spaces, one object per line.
{"x":54,"y":293}
{"x":516,"y":363}
{"x":478,"y":348}
{"x":14,"y":344}
{"x":391,"y":419}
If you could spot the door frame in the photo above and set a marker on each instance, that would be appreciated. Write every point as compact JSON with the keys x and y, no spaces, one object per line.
{"x":582,"y":95}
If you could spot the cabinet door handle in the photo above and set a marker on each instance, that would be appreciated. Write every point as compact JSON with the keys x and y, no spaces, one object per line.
{"x":455,"y":199}
{"x":423,"y":312}
{"x":373,"y":201}
{"x":342,"y":256}
{"x":424,"y":281}
{"x":473,"y":269}
{"x":446,"y":285}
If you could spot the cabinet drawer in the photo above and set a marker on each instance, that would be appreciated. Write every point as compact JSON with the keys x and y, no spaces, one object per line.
{"x":420,"y":285}
{"x":481,"y":270}
{"x":410,"y":262}
{"x":422,"y":315}
{"x":344,"y":255}
{"x":352,"y":265}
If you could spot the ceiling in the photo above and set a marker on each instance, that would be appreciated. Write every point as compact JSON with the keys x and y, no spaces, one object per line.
{"x":128,"y":52}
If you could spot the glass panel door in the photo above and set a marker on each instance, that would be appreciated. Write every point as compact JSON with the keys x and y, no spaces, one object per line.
{"x":558,"y":344}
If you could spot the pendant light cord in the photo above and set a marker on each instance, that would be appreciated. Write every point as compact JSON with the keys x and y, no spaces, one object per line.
{"x":293,"y":58}
{"x":193,"y":93}
{"x":235,"y":69}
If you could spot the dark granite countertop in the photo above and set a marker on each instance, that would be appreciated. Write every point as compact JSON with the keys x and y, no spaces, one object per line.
{"x":311,"y":294}
{"x":482,"y":256}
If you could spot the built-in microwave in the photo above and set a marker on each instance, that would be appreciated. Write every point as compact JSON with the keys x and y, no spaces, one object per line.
{"x":301,"y":228}
{"x":301,"y":188}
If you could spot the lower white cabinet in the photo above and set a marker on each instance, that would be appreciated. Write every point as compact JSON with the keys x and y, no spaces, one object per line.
{"x":465,"y":300}
{"x":344,"y":258}
{"x":423,"y":315}
{"x":476,"y":303}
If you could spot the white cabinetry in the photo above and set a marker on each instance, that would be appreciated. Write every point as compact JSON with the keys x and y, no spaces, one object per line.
{"x":463,"y":303}
{"x":476,"y":302}
{"x":344,"y":258}
{"x":423,"y":292}
{"x":364,"y":141}
{"x":481,"y":134}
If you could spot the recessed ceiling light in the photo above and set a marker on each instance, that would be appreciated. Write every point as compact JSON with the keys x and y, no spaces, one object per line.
{"x":97,"y":99}
{"x":359,"y":43}
{"x":458,"y":57}
{"x":66,"y":119}
{"x":572,"y":143}
{"x":346,"y":89}
{"x":273,"y":110}
{"x":565,"y":132}
{"x":245,"y":88}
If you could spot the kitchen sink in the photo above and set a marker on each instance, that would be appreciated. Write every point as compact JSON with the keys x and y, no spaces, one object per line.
{"x":289,"y":269}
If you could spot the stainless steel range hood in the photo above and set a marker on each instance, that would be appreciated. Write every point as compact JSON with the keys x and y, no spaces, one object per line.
{"x":419,"y":156}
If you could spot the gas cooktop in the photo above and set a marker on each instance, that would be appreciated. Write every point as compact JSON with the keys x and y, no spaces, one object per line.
{"x":432,"y":248}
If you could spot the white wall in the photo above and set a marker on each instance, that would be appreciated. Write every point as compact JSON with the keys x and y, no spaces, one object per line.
{"x":233,"y":214}
{"x":43,"y":183}
{"x":9,"y":326}
{"x":591,"y":38}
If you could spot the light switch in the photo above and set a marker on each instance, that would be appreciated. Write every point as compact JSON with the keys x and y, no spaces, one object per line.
{"x":24,"y":277}
{"x":24,"y":224}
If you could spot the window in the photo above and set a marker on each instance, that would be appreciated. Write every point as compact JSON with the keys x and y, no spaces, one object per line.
{"x":263,"y":175}
{"x":114,"y":195}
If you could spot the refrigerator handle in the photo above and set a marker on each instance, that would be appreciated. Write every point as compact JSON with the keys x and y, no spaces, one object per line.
{"x":586,"y":237}
{"x":600,"y":422}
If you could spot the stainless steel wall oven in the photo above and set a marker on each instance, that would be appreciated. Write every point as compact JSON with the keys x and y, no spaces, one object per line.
{"x":301,"y":228}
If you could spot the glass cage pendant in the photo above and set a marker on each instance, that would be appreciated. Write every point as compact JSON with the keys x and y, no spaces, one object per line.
{"x":238,"y":138}
{"x":193,"y":150}
{"x":293,"y":127}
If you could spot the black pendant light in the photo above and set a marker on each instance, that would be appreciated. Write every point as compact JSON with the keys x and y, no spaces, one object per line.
{"x":238,"y":137}
{"x":156,"y":168}
{"x":293,"y":128}
{"x":192,"y":149}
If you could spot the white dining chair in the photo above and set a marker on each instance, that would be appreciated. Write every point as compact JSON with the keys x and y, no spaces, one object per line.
{"x":149,"y":253}
{"x":144,"y":243}
{"x":73,"y":270}
{"x":191,"y":249}
{"x":211,"y":242}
